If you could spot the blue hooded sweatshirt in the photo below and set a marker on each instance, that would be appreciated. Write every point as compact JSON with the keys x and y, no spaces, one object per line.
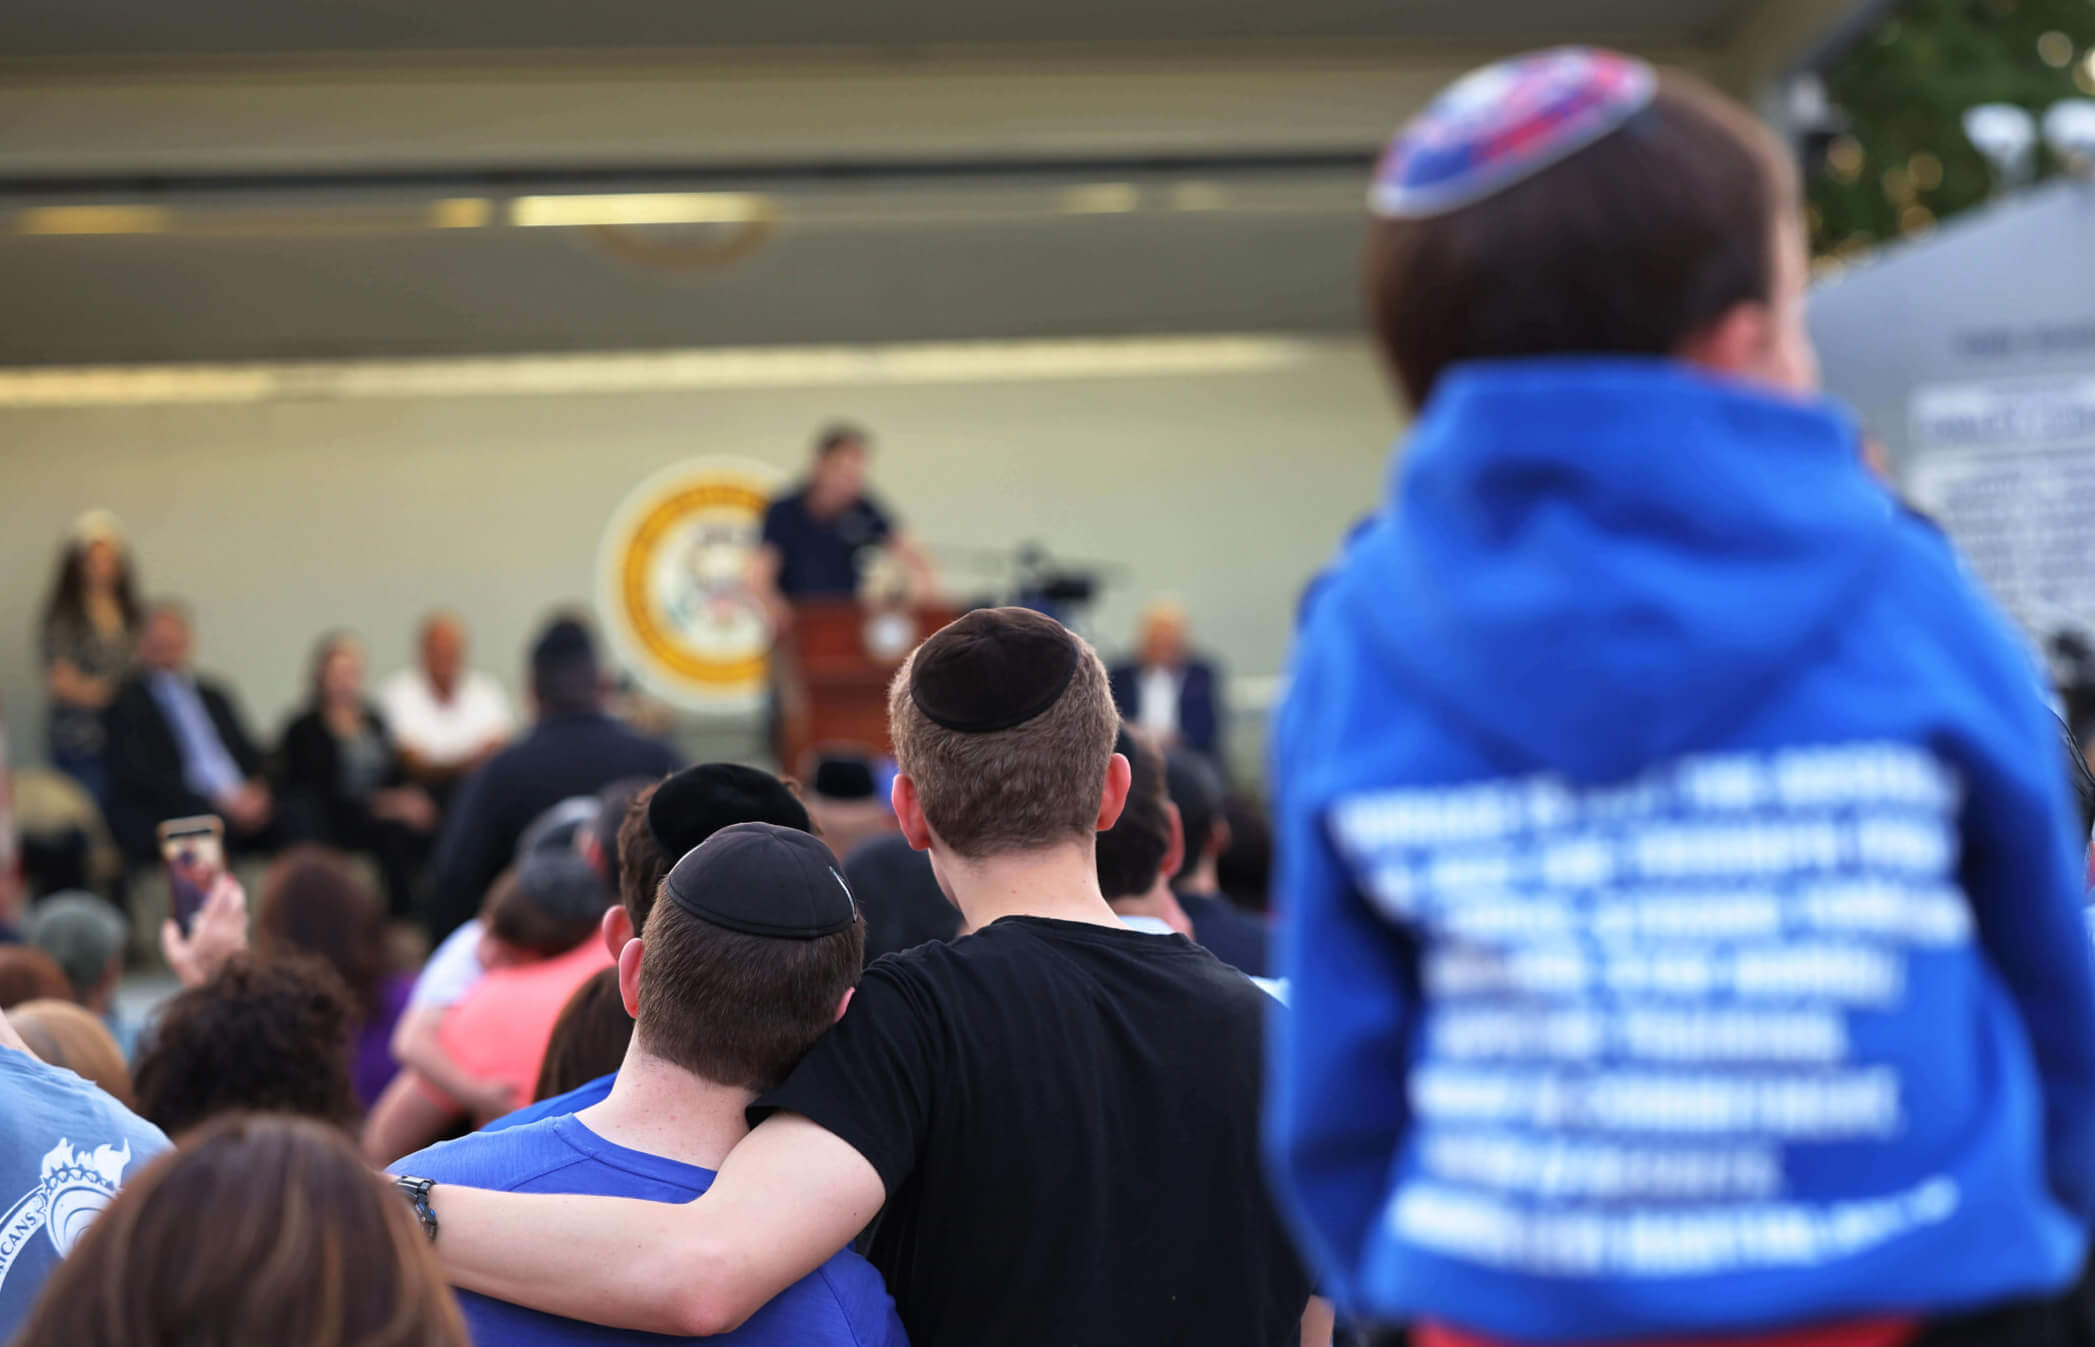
{"x":1680,"y":887}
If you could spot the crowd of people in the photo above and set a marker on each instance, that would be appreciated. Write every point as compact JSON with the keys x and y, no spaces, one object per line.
{"x":1677,"y":871}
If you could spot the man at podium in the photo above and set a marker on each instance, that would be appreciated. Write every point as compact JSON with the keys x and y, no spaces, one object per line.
{"x":815,"y":536}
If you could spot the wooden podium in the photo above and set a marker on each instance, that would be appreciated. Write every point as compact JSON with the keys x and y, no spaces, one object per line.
{"x":832,"y":669}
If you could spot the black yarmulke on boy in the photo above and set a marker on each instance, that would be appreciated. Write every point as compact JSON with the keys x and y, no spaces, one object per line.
{"x":994,"y":669}
{"x":692,"y":805}
{"x":764,"y":880}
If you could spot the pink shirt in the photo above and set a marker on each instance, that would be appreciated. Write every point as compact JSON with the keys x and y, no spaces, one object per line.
{"x":501,"y":1027}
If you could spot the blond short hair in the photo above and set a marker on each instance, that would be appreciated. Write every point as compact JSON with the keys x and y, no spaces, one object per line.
{"x":1031,"y":786}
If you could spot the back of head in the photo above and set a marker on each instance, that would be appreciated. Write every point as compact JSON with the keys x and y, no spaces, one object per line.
{"x":677,"y":815}
{"x":1625,"y":224}
{"x":27,"y":973}
{"x":1003,"y":722}
{"x":748,"y":956}
{"x":1132,"y":852}
{"x":564,"y":673}
{"x":1245,"y":868}
{"x":255,"y":1229}
{"x":68,"y":1035}
{"x":840,"y":435}
{"x":1196,"y":790}
{"x":83,"y":933}
{"x":264,"y":1034}
{"x":547,"y":904}
{"x":315,"y":902}
{"x":589,"y":1039}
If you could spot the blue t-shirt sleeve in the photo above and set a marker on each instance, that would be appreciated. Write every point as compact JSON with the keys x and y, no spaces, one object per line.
{"x":777,"y":522}
{"x":506,"y":1160}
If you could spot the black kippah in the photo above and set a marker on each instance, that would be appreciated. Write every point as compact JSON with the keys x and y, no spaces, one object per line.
{"x":764,"y":880}
{"x":692,"y":805}
{"x":841,"y":776}
{"x":993,"y":669}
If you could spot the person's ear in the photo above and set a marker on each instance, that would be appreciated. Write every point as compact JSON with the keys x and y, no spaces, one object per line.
{"x":1736,"y":343}
{"x":843,"y":1003}
{"x":1218,"y":837}
{"x":617,"y":929}
{"x":1175,"y":848}
{"x":909,"y":812}
{"x":1119,"y":776}
{"x":629,"y":960}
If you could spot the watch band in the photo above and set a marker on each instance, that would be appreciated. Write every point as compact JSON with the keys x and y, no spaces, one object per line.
{"x":416,"y":1191}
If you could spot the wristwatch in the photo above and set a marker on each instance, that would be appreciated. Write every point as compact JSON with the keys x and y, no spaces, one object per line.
{"x":416,"y":1191}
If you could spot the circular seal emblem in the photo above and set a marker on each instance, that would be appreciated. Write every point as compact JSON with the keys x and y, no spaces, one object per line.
{"x":672,"y":583}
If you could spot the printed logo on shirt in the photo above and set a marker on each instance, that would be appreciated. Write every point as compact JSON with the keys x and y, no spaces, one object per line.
{"x":73,"y":1187}
{"x":1638,"y":996}
{"x":672,"y":583}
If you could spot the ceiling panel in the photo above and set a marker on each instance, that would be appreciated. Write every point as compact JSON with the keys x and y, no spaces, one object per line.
{"x":292,"y":279}
{"x":87,"y":29}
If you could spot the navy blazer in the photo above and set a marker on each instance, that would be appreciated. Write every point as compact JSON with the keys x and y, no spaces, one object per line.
{"x":1199,"y":703}
{"x":145,"y":760}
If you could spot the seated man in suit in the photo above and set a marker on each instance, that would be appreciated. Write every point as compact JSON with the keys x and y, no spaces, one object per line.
{"x":177,"y":746}
{"x":1168,"y":689}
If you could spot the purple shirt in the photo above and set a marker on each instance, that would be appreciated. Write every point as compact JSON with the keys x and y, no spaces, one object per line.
{"x":371,"y":1064}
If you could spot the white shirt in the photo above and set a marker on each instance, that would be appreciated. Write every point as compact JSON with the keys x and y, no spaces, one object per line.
{"x":1159,"y":692}
{"x":445,"y":734}
{"x":451,"y":971}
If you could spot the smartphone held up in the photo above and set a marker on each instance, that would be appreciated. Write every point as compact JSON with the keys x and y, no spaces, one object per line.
{"x":193,"y":850}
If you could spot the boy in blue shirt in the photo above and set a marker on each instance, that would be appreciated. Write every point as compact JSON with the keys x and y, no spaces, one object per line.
{"x":1681,"y":893}
{"x":750,"y":955}
{"x":660,"y":824}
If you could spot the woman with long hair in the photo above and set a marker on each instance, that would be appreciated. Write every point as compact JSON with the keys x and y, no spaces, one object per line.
{"x":314,"y":902}
{"x":90,"y":622}
{"x":256,"y":1229}
{"x":341,"y":779}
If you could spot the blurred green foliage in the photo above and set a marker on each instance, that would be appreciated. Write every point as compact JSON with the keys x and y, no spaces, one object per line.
{"x":1903,"y":162}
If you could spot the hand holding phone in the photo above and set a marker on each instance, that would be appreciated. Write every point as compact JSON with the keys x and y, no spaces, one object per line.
{"x":218,"y":934}
{"x":194,"y":852}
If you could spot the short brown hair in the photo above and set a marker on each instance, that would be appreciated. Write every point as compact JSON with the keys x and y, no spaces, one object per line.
{"x":1131,"y":852}
{"x":257,"y":1229}
{"x":641,"y":864}
{"x":1631,"y":246}
{"x":1033,"y":785}
{"x":739,"y":1010}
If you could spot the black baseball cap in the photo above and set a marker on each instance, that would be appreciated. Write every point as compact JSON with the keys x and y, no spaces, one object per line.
{"x":764,"y":880}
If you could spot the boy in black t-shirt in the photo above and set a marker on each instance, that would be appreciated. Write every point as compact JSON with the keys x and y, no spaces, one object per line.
{"x":1058,"y":1115}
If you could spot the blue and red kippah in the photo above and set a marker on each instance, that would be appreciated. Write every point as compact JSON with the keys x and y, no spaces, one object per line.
{"x":1506,"y":122}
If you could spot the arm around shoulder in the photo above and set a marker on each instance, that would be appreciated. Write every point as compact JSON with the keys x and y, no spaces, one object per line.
{"x":787,"y":1199}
